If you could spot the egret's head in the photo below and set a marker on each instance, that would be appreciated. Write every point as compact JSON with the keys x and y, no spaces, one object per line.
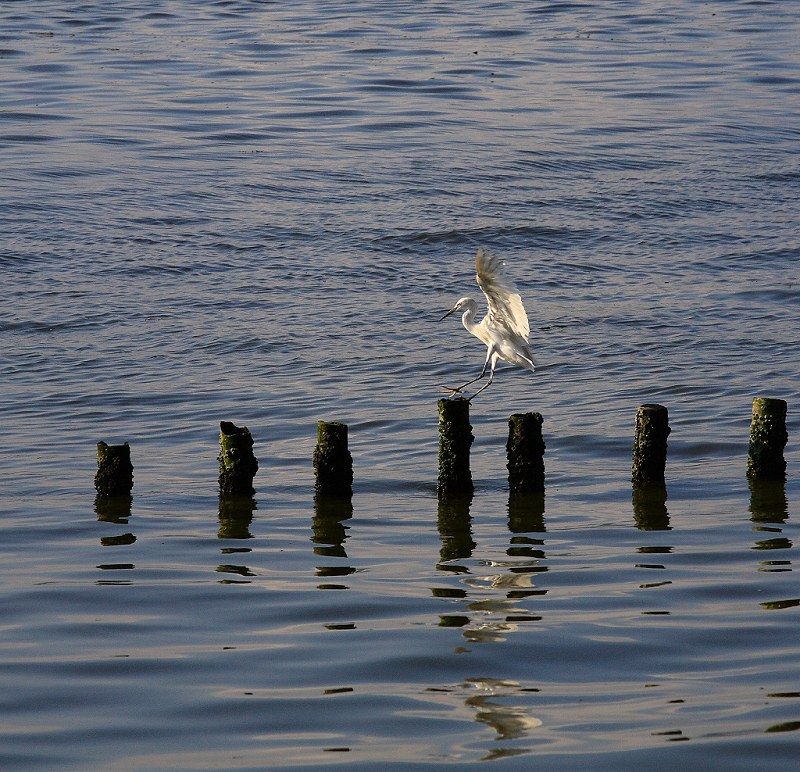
{"x":459,"y":306}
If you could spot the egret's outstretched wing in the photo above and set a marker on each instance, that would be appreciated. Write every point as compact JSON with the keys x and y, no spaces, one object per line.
{"x":505,"y":304}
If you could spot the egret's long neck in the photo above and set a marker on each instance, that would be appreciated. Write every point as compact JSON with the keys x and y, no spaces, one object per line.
{"x":466,"y":320}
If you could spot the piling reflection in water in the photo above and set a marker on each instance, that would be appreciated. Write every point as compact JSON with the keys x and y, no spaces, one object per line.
{"x":493,"y":598}
{"x":113,"y":509}
{"x":227,"y":568}
{"x":329,"y":532}
{"x":235,"y":517}
{"x":526,"y":512}
{"x":650,"y":508}
{"x":455,"y":530}
{"x":117,"y":510}
{"x":768,"y":501}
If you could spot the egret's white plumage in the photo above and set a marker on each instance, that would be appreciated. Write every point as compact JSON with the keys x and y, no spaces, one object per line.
{"x":505,"y":328}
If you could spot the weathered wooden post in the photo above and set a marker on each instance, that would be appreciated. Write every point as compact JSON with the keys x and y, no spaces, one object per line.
{"x":114,"y":470}
{"x":650,"y":445}
{"x":237,"y":464}
{"x":768,"y":438}
{"x":455,"y":439}
{"x":333,"y":464}
{"x":525,"y":452}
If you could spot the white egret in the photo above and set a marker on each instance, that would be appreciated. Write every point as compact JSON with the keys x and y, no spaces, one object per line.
{"x":504,"y":329}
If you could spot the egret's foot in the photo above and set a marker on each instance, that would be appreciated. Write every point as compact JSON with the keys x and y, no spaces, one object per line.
{"x":449,"y":390}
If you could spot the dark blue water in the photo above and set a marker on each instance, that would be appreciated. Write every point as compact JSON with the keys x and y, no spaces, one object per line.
{"x":257,"y":212}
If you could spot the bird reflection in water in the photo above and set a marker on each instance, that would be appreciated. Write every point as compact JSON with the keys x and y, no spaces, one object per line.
{"x":510,"y":722}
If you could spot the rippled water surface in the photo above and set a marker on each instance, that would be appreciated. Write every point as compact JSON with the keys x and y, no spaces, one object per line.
{"x":257,"y":212}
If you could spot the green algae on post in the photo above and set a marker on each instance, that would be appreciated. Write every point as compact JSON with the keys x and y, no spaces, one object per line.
{"x":768,"y":438}
{"x":455,"y":439}
{"x":114,"y":470}
{"x":525,"y":451}
{"x":237,"y":464}
{"x":650,"y":445}
{"x":333,"y":464}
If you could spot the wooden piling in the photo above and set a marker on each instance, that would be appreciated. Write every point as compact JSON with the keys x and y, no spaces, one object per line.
{"x":455,"y":439}
{"x":768,"y":438}
{"x":114,"y":470}
{"x":525,"y":452}
{"x":237,"y":464}
{"x":333,"y":464}
{"x":650,"y":445}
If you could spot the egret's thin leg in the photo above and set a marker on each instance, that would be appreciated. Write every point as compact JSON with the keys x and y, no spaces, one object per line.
{"x":482,"y":375}
{"x":482,"y":388}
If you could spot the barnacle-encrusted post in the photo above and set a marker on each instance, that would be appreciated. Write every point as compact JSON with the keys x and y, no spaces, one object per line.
{"x":455,"y":439}
{"x":768,"y":438}
{"x":333,"y":464}
{"x":114,"y":470}
{"x":525,"y":451}
{"x":650,"y":445}
{"x":237,"y":464}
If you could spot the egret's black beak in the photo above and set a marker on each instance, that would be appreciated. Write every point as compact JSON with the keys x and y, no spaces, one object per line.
{"x":448,"y":313}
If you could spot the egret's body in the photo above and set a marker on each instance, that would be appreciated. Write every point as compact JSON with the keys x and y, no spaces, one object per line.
{"x":504,"y":330}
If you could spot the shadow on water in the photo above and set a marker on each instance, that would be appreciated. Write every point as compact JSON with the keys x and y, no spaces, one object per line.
{"x":650,"y":508}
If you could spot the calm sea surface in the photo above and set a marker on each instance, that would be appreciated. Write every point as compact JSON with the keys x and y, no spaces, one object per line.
{"x":257,"y":212}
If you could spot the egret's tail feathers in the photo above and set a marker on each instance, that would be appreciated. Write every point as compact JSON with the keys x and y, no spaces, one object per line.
{"x":523,"y":361}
